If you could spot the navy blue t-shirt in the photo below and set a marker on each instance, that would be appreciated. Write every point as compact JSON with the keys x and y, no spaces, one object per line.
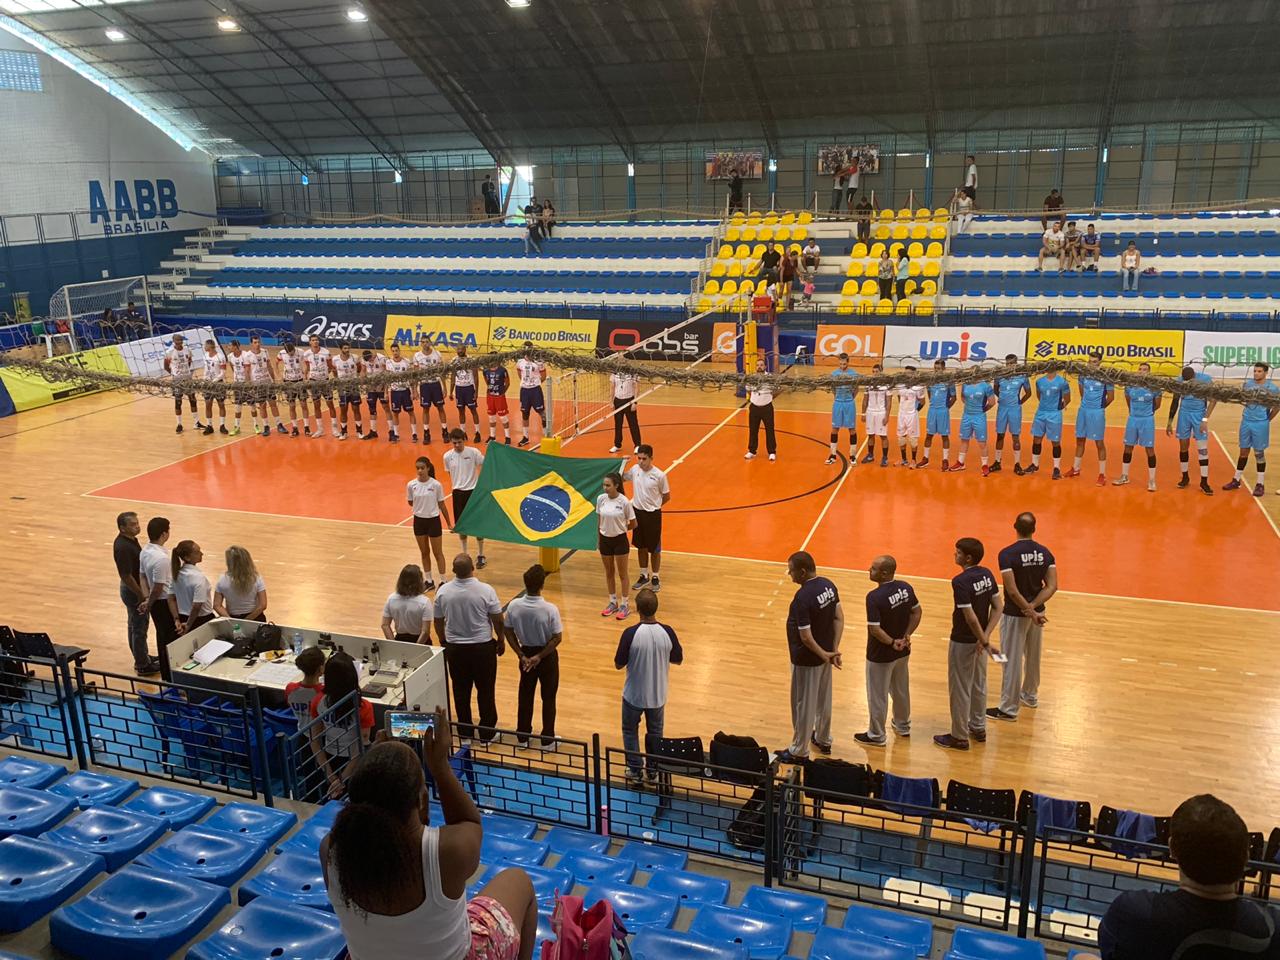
{"x":889,"y":607}
{"x":1029,"y":562}
{"x":1151,"y":925}
{"x":974,"y":588}
{"x":813,"y":606}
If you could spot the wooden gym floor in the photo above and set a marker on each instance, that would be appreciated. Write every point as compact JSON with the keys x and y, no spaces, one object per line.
{"x":1159,"y":678}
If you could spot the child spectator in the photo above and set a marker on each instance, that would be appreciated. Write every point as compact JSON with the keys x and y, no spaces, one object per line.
{"x":344,"y":728}
{"x":300,"y":694}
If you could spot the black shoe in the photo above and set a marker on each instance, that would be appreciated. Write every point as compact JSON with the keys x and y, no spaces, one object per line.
{"x":634,"y":781}
{"x":831,"y":459}
{"x":1185,"y":481}
{"x":950,"y":743}
{"x":429,"y":585}
{"x":491,"y":440}
{"x":979,"y":736}
{"x":655,"y":584}
{"x":866,"y":741}
{"x":1032,"y":469}
{"x":280,"y":429}
{"x":371,"y":435}
{"x":306,"y":429}
{"x":426,"y":436}
{"x":786,"y":756}
{"x":1017,"y":469}
{"x":508,"y":442}
{"x":393,"y":438}
{"x":476,"y":438}
{"x":995,"y":468}
{"x":1205,"y":488}
{"x":295,"y":432}
{"x":823,"y":748}
{"x":208,"y":431}
{"x":524,"y":442}
{"x":1057,"y":473}
{"x":995,"y":713}
{"x":223,"y":430}
{"x":149,"y":669}
{"x":179,"y":430}
{"x":481,"y":562}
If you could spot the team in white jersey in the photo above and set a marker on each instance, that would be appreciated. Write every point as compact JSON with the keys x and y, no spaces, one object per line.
{"x":910,"y":402}
{"x":346,"y":366}
{"x":241,"y":364}
{"x":462,"y":388}
{"x":401,"y":398}
{"x":215,"y":370}
{"x":263,"y":372}
{"x":318,"y":368}
{"x":875,"y":412}
{"x":178,"y":363}
{"x":431,"y":392}
{"x":531,"y":373}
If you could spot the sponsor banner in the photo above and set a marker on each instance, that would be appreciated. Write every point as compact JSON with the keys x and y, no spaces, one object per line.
{"x":362,"y":329}
{"x":959,"y":346}
{"x":1121,"y":348}
{"x":724,"y":342}
{"x":30,"y":390}
{"x":645,"y":340}
{"x":445,"y":333}
{"x":145,"y":358}
{"x":863,"y":344}
{"x":510,"y":333}
{"x":1231,"y":354}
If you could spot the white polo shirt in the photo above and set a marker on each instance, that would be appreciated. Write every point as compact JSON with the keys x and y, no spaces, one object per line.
{"x":409,"y":613}
{"x":191,"y":591}
{"x":426,"y":497}
{"x":534,"y":620}
{"x":397,"y":367}
{"x":647,"y":487}
{"x":761,"y":398}
{"x":154,"y":565}
{"x":615,"y":513}
{"x":464,"y":467}
{"x":624,"y":385}
{"x":465,"y":606}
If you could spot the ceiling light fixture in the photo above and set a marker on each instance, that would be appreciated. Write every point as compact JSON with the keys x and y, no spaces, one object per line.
{"x":399,"y":177}
{"x":115,"y":35}
{"x":517,"y":4}
{"x":227,"y":25}
{"x":356,"y":15}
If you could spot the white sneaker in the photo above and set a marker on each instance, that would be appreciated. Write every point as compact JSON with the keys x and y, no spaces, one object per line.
{"x":1120,"y":481}
{"x":1151,"y":485}
{"x":749,"y":456}
{"x":614,"y":449}
{"x":773,"y":457}
{"x":333,"y":432}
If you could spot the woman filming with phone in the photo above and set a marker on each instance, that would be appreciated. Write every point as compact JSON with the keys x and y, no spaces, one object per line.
{"x":398,"y":884}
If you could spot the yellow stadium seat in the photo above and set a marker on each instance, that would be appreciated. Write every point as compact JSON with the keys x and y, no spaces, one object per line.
{"x":804,"y":217}
{"x":800,"y":233}
{"x":849,"y":289}
{"x":895,"y":250}
{"x":929,"y":288}
{"x":762,"y":285}
{"x":713,"y":286}
{"x":915,"y":269}
{"x":915,"y":251}
{"x":748,"y":234}
{"x":754,"y":217}
{"x":883,"y":232}
{"x":738,"y":218}
{"x":900,"y":231}
{"x":730,"y":286}
{"x":934,"y":251}
{"x":771,"y":218}
{"x":726,"y":251}
{"x":903,"y":308}
{"x":741,"y":251}
{"x":735,"y":269}
{"x":941,"y":215}
{"x":732,"y":235}
{"x":719,"y":268}
{"x":794,"y":248}
{"x":788,"y":218}
{"x":859,"y":250}
{"x":938,"y":233}
{"x":919,"y":232}
{"x":782,"y":233}
{"x":886,"y":215}
{"x":932,"y":269}
{"x":758,"y":251}
{"x":870,"y":288}
{"x":885,"y":307}
{"x":877,"y":251}
{"x":866,"y":305}
{"x":765,"y":234}
{"x":780,"y":248}
{"x":923,"y":213}
{"x":924,"y":308}
{"x":855,"y":269}
{"x":909,"y":287}
{"x":904,"y":214}
{"x":705,"y":304}
{"x":845,"y":306}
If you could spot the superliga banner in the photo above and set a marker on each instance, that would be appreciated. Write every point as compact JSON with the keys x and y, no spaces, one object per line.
{"x":1120,"y":348}
{"x":959,"y":346}
{"x":1231,"y":354}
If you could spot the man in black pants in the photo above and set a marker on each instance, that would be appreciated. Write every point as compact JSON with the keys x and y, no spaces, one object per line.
{"x":128,"y":554}
{"x":533,"y":628}
{"x":760,"y":410}
{"x":468,"y":621}
{"x":157,"y":583}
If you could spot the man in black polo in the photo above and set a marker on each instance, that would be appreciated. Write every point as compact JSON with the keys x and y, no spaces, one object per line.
{"x":769,"y":261}
{"x":973,"y":621}
{"x":1030,"y":577}
{"x":815,"y":624}
{"x":128,"y":552}
{"x":893,"y":614}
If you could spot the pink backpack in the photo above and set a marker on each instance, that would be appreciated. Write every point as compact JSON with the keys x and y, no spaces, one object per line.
{"x":596,"y":934}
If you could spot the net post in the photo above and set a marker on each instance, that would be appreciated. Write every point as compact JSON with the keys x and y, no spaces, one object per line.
{"x":549,"y":557}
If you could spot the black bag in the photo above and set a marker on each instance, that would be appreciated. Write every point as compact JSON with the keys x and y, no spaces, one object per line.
{"x":746,"y":832}
{"x":268,"y":637}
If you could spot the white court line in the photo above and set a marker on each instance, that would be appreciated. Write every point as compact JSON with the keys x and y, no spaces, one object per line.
{"x":1257,"y":501}
{"x":853,"y":459}
{"x":163,"y":466}
{"x":707,"y":436}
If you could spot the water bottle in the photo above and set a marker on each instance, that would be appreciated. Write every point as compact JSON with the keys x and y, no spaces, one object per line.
{"x":297,"y":642}
{"x":237,"y":637}
{"x":375,"y":656}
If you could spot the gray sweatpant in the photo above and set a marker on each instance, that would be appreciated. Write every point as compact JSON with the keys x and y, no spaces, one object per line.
{"x":810,"y":707}
{"x":967,"y":685}
{"x":885,"y":680}
{"x":1021,"y":639}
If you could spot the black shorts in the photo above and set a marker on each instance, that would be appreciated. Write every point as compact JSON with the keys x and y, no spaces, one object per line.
{"x":373,"y":399}
{"x":401,"y":400}
{"x":427,"y":526}
{"x":185,"y":390}
{"x":431,"y":391}
{"x":465,"y":396}
{"x":648,"y":532}
{"x":614,"y":546}
{"x":241,"y":394}
{"x":532,"y":398}
{"x":346,"y":398}
{"x":460,"y":498}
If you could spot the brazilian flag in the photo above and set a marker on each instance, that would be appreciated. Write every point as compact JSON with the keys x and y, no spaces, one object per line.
{"x":535,"y":498}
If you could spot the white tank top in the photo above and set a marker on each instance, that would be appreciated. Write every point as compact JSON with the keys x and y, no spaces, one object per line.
{"x":436,"y":928}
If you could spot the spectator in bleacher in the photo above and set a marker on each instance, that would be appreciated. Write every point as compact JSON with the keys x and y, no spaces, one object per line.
{"x":240,"y":592}
{"x":547,"y":218}
{"x":532,"y":230}
{"x":837,"y":192}
{"x":1072,"y":240}
{"x":1090,"y":249}
{"x":407,"y":615}
{"x":893,"y":614}
{"x":127,"y":552}
{"x":298,"y":694}
{"x":1051,"y":245}
{"x":533,"y":629}
{"x":735,"y":190}
{"x":489,"y":191}
{"x":970,"y":187}
{"x":345,"y":722}
{"x":851,"y":186}
{"x":468,"y":619}
{"x":769,"y":261}
{"x":135,"y":322}
{"x":1053,"y":204}
{"x":107,"y":327}
{"x":815,"y":624}
{"x":788,"y":272}
{"x":864,"y":210}
{"x":1130,"y":266}
{"x":1206,"y":916}
{"x":646,"y":651}
{"x":901,"y":273}
{"x":157,"y":582}
{"x":191,"y":602}
{"x":962,"y":210}
{"x":885,"y":272}
{"x":398,"y":885}
{"x":811,"y":256}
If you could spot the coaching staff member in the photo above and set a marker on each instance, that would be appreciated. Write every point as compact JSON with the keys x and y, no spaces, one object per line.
{"x":893,"y":614}
{"x":650,"y":492}
{"x":533,"y":628}
{"x":157,"y":581}
{"x":128,"y":556}
{"x":468,"y":620}
{"x":815,"y":624}
{"x":1030,"y":579}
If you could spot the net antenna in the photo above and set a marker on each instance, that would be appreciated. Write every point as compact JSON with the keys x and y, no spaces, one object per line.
{"x":81,"y":306}
{"x":578,"y":401}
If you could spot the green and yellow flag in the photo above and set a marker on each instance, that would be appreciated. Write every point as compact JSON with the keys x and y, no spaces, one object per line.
{"x":535,"y":498}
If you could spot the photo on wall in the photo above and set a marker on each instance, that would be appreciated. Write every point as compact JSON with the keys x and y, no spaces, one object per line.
{"x":843,"y":158}
{"x":721,"y":164}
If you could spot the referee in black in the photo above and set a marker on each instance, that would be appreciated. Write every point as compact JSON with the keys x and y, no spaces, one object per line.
{"x":760,"y":411}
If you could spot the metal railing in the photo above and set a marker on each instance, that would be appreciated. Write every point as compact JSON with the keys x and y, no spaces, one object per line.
{"x":36,"y":714}
{"x":317,"y":752}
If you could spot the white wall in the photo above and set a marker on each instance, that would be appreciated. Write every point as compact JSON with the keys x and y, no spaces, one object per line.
{"x":59,"y":141}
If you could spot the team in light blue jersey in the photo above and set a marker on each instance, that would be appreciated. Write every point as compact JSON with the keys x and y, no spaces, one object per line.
{"x":1192,"y":417}
{"x":1140,"y":428}
{"x":844,"y":412}
{"x":1053,"y":393}
{"x":1255,"y":429}
{"x":1011,"y":393}
{"x":938,"y":419}
{"x":976,"y":400}
{"x":1091,"y":419}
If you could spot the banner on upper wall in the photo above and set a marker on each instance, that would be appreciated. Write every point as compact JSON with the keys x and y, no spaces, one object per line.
{"x":362,"y":328}
{"x":1122,"y":348}
{"x":863,"y":344}
{"x":959,"y":346}
{"x":30,"y":390}
{"x":511,"y":333}
{"x":444,"y":333}
{"x":645,"y":340}
{"x":1231,"y":354}
{"x":145,"y":358}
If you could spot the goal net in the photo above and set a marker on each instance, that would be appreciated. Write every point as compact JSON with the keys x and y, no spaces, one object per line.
{"x":83,"y":308}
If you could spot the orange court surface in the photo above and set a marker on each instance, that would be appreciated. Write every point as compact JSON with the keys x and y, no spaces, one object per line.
{"x":1159,"y":678}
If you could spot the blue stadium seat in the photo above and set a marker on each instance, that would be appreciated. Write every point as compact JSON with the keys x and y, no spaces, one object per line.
{"x":913,"y":932}
{"x":833,"y":944}
{"x":30,"y":812}
{"x":566,"y":840}
{"x":27,"y":772}
{"x":970,"y":943}
{"x":266,"y":928}
{"x":291,"y":877}
{"x":690,"y":888}
{"x":523,"y":852}
{"x":177,"y":807}
{"x":204,"y":854}
{"x":306,"y":840}
{"x":589,"y":868}
{"x":546,"y":880}
{"x":651,"y":858}
{"x":806,"y":911}
{"x":652,"y":944}
{"x":765,"y":936}
{"x":501,"y":826}
{"x":252,"y":822}
{"x":114,"y":834}
{"x":635,"y":906}
{"x":94,"y":789}
{"x":136,"y":914}
{"x":38,"y":875}
{"x":328,"y":813}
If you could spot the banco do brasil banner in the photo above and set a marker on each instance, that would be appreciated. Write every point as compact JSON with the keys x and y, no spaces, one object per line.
{"x":1120,"y":348}
{"x":485,"y":333}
